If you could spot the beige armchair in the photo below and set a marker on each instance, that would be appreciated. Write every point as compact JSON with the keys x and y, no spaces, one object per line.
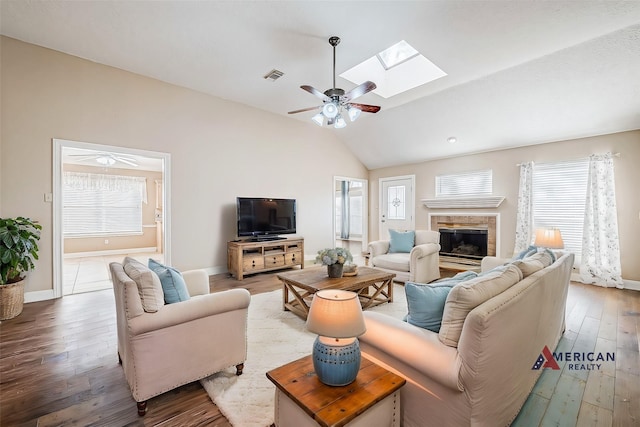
{"x":180,"y":342}
{"x":420,"y":265}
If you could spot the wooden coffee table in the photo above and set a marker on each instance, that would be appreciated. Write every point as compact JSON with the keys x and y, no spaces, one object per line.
{"x":373,"y":287}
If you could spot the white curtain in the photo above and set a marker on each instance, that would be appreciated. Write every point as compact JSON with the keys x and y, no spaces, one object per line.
{"x":600,"y":244}
{"x":524,"y":218}
{"x":96,"y":181}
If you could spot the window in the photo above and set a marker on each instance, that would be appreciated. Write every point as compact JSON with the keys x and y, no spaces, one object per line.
{"x":96,"y":204}
{"x":465,"y":184}
{"x":559,"y":196}
{"x":354,"y":196}
{"x":396,"y":202}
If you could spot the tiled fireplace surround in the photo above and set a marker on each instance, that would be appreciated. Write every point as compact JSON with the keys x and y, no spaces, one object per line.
{"x":476,"y":221}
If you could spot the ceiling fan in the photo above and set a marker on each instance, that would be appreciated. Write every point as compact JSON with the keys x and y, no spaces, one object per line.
{"x":107,"y":159}
{"x":335,"y":102}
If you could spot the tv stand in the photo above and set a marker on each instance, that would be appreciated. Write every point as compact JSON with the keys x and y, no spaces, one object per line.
{"x":249,"y":256}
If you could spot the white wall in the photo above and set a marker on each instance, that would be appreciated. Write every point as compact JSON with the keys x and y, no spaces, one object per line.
{"x":506,"y":181}
{"x":219,"y":150}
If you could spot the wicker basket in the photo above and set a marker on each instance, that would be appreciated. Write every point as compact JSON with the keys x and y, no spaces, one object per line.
{"x":11,"y":300}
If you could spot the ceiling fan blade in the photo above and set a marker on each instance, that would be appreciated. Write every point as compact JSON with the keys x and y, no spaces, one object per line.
{"x":312,"y":90}
{"x":129,"y":162}
{"x":365,"y":87}
{"x":303,"y":110}
{"x":366,"y":107}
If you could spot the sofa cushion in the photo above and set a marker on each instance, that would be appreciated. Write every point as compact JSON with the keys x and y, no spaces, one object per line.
{"x":392,"y":261}
{"x":425,"y":301}
{"x":401,"y":241}
{"x":148,"y":282}
{"x":469,"y":294}
{"x":174,"y":287}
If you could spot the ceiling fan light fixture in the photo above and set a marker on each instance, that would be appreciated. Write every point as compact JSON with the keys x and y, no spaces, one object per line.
{"x":340,"y":122}
{"x":330,"y":110}
{"x":354,"y":113}
{"x":318,"y":119}
{"x":106,"y":160}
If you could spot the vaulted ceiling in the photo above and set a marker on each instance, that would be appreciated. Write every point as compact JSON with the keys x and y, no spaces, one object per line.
{"x":518,"y":72}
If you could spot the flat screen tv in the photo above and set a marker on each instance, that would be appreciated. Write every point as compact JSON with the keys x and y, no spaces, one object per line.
{"x":265,"y":218}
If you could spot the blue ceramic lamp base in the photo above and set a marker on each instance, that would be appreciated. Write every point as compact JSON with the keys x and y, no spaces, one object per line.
{"x":336,"y":363}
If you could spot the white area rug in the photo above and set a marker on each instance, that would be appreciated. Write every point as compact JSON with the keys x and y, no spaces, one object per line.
{"x":275,"y":337}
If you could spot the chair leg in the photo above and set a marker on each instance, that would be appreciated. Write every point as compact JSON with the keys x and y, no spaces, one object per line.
{"x":142,"y":408}
{"x":239,"y":368}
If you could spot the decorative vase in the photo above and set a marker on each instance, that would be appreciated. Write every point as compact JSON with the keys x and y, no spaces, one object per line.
{"x":334,"y":270}
{"x":11,"y":300}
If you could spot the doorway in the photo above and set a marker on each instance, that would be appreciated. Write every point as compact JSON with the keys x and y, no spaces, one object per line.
{"x":397,"y":204}
{"x":351,"y":214}
{"x":109,"y":202}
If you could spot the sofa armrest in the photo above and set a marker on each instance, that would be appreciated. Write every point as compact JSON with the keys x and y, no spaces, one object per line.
{"x":192,"y":309}
{"x":421,"y":251}
{"x":197,"y":282}
{"x":378,"y":247}
{"x":490,"y":262}
{"x":415,"y":347}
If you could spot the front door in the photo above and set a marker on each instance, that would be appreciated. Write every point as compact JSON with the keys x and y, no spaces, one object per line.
{"x":397,"y":197}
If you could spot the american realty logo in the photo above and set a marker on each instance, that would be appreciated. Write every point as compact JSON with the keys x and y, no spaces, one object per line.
{"x":579,"y":361}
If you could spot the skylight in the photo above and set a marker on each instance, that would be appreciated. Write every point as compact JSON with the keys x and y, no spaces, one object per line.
{"x":395,"y":70}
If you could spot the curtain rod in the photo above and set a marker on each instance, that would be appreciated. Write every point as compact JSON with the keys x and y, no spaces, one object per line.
{"x":614,"y":154}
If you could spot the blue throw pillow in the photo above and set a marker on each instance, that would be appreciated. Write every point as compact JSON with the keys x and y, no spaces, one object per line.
{"x":426,"y":303}
{"x":401,"y":241}
{"x":531,"y":250}
{"x":173,"y":285}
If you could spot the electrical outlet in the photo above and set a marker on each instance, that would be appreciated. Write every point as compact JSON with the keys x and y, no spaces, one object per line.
{"x":106,"y":241}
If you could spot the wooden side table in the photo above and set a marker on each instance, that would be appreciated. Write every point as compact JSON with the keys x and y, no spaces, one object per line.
{"x":372,"y":400}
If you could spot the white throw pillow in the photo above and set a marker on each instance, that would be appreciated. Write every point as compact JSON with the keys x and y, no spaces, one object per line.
{"x":149,"y":286}
{"x":467,"y":295}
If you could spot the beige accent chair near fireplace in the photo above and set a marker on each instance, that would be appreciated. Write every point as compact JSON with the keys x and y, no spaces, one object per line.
{"x":163,"y":346}
{"x":420,"y":265}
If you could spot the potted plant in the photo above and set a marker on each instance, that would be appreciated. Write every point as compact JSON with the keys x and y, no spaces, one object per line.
{"x":18,"y":249}
{"x":334,"y":259}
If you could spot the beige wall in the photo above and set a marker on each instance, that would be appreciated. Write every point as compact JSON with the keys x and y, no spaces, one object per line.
{"x":219,"y":150}
{"x":148,"y":237}
{"x":505,"y":183}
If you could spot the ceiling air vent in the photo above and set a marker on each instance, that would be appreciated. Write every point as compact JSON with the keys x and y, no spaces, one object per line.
{"x":273,"y":75}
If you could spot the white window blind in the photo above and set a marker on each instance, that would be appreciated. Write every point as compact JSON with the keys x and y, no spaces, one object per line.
{"x":97,"y":204}
{"x":559,"y":195}
{"x":465,"y":184}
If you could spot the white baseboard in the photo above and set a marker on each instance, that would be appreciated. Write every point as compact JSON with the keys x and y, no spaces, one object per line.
{"x":628,"y":284}
{"x":110,"y":252}
{"x":35,"y":296}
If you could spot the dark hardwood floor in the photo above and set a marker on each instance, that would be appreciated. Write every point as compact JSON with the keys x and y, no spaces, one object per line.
{"x":58,"y":366}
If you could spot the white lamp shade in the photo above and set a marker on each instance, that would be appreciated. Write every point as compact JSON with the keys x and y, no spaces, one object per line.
{"x":549,"y":238}
{"x":330,"y":110}
{"x":318,"y":119}
{"x":336,"y":314}
{"x":340,"y":122}
{"x":354,"y":113}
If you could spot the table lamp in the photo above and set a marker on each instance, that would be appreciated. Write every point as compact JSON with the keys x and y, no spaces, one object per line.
{"x":336,"y":316}
{"x":549,"y":238}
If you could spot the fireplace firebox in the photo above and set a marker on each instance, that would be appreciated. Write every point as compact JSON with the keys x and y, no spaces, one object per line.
{"x":467,"y":243}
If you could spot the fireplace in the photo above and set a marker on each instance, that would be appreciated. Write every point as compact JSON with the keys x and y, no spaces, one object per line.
{"x":474,"y":229}
{"x":463,"y":242}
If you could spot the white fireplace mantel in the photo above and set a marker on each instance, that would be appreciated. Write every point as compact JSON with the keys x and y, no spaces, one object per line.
{"x":463,"y":202}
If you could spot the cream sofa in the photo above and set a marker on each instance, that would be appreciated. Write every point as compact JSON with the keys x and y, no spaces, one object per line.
{"x":174,"y":344}
{"x":419,"y":265}
{"x":486,"y":378}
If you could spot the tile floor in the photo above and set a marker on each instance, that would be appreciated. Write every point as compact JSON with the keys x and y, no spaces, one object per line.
{"x":91,"y":273}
